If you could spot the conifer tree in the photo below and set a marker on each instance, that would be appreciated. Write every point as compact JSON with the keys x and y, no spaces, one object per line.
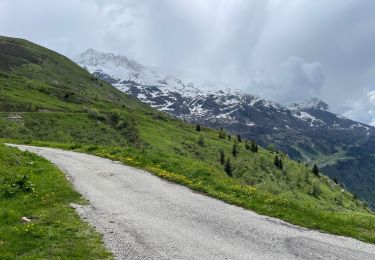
{"x":228,"y":168}
{"x":198,"y":127}
{"x":253,"y":146}
{"x":315,"y":170}
{"x":222,"y":157}
{"x":234,"y":150}
{"x":229,"y":137}
{"x":247,"y":146}
{"x":278,"y":162}
{"x":239,"y":138}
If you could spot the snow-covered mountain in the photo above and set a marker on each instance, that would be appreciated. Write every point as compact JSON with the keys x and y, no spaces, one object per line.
{"x":123,"y":71}
{"x":197,"y":98}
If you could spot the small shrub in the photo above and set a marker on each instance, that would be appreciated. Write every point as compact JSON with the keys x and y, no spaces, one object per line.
{"x":74,"y":146}
{"x":222,"y":133}
{"x":24,"y":184}
{"x":160,"y":116}
{"x":316,"y":190}
{"x":94,"y":114}
{"x":114,"y":118}
{"x":339,"y":199}
{"x":201,"y":141}
{"x":92,"y":148}
{"x":11,"y":187}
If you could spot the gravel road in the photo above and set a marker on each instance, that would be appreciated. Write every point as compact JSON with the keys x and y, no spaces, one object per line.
{"x":144,"y":217}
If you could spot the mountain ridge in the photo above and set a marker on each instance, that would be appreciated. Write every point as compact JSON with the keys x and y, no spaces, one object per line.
{"x":305,"y":130}
{"x":88,"y":59}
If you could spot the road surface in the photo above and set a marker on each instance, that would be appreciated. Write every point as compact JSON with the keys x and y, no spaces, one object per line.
{"x":144,"y":217}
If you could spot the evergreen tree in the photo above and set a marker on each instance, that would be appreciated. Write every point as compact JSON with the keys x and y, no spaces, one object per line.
{"x":229,"y":137}
{"x":228,"y":168}
{"x":278,"y":162}
{"x":315,"y":170}
{"x":247,"y":146}
{"x":222,"y":157}
{"x":253,"y":146}
{"x":234,"y":150}
{"x":239,"y":138}
{"x":198,"y":127}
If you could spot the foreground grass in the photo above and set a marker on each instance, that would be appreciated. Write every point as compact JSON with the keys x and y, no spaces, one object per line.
{"x":32,"y":187}
{"x":290,"y":206}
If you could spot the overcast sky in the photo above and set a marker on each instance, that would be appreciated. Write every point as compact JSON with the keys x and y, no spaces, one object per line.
{"x":285,"y":50}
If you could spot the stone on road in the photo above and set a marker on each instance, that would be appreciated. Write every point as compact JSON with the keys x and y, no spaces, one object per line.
{"x":144,"y":217}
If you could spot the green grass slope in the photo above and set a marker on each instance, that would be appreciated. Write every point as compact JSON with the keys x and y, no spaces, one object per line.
{"x":48,"y":100}
{"x":31,"y":186}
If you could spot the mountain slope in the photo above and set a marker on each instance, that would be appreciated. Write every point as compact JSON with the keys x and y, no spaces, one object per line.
{"x":99,"y":119}
{"x":306,"y":131}
{"x":46,"y":76}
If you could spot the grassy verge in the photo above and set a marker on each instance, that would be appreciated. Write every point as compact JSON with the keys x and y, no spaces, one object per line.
{"x":32,"y":187}
{"x":296,"y":208}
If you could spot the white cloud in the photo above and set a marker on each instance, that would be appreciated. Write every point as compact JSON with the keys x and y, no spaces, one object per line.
{"x":371,"y":107}
{"x":362,"y":109}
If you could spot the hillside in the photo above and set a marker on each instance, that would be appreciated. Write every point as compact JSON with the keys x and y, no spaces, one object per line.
{"x":32,"y":187}
{"x":306,"y":131}
{"x":47,"y":99}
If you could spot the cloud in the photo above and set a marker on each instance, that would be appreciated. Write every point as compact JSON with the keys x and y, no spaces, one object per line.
{"x":363,"y":109}
{"x":291,"y":49}
{"x":293,"y":81}
{"x":299,"y":79}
